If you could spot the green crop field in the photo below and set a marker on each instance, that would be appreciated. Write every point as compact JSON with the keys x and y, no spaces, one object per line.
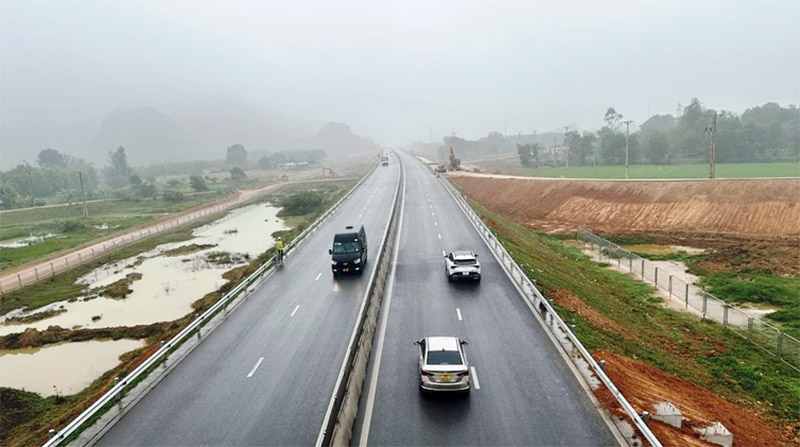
{"x":731,"y":170}
{"x":70,"y":229}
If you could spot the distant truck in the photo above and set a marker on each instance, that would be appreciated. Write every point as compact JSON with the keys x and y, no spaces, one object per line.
{"x":384,"y":160}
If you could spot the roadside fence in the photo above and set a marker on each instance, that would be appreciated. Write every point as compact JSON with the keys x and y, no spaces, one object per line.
{"x":125,"y":384}
{"x":765,"y":336}
{"x":563,"y":332}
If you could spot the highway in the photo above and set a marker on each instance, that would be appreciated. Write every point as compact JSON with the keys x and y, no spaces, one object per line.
{"x":523,"y":391}
{"x":266,"y":375}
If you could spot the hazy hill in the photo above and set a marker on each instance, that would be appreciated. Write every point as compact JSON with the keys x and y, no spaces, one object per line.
{"x":148,"y":136}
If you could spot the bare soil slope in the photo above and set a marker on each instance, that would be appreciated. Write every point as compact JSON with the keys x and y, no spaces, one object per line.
{"x":744,"y":207}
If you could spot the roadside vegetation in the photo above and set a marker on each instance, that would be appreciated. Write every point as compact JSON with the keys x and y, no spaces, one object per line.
{"x":617,"y":313}
{"x":69,"y":229}
{"x":27,"y":416}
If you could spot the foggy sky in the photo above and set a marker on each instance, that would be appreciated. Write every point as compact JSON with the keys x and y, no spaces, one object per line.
{"x":392,"y":70}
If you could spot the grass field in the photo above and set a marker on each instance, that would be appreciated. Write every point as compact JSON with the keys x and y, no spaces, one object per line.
{"x":71,"y":229}
{"x":675,"y":342}
{"x":731,"y":170}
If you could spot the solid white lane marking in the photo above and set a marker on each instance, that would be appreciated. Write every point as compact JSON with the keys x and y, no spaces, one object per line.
{"x":458,"y":312}
{"x":475,"y":378}
{"x":440,"y":236}
{"x":258,"y":363}
{"x":373,"y":381}
{"x":295,"y":310}
{"x":317,"y":278}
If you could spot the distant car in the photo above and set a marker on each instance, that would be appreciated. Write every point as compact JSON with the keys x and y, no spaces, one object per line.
{"x":443,"y":365}
{"x":462,"y":265}
{"x":440,"y":169}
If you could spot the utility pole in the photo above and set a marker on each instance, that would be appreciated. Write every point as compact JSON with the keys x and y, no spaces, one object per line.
{"x":712,"y":145}
{"x":627,"y":132}
{"x":566,"y":135}
{"x":30,"y":185}
{"x":83,"y":195}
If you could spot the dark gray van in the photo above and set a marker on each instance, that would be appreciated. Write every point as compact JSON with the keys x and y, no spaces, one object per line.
{"x":349,"y":252}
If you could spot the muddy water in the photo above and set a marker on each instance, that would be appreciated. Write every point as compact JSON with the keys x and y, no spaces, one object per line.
{"x":169,"y":284}
{"x":64,"y":368}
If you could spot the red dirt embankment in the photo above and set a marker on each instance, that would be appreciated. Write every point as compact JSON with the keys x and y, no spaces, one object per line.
{"x":744,"y":206}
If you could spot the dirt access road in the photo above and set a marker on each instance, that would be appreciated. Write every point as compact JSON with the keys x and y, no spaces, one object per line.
{"x":33,"y":273}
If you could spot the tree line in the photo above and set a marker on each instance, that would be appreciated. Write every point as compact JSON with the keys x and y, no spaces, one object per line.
{"x":768,"y":133}
{"x":58,"y":175}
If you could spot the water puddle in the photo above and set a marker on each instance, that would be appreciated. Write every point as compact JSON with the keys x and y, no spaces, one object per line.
{"x":168,"y":284}
{"x":25,"y":241}
{"x":63,"y":368}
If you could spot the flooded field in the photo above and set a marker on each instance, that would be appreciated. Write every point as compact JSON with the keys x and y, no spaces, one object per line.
{"x":64,"y":368}
{"x":172,"y":276}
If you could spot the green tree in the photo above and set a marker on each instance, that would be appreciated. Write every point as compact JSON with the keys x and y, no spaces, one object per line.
{"x":237,"y":155}
{"x":51,"y":158}
{"x":117,"y":172}
{"x":656,"y":146}
{"x":612,"y":119}
{"x":238,"y":174}
{"x":525,"y":152}
{"x":198,"y":183}
{"x":134,"y":180}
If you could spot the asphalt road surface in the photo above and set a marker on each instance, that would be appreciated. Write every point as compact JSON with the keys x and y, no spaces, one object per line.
{"x":266,"y":375}
{"x":523,"y":391}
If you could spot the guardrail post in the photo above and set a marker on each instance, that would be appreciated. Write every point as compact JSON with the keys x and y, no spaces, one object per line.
{"x":80,"y":258}
{"x":725,"y":314}
{"x":36,"y":269}
{"x":52,"y":270}
{"x":780,"y":343}
{"x":642,"y":268}
{"x":656,"y":277}
{"x":67,"y":259}
{"x":686,"y":295}
{"x":19,"y":279}
{"x":705,"y":304}
{"x":670,"y":286}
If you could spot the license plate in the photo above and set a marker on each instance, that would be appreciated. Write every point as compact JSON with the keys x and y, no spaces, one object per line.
{"x":345,"y":270}
{"x":445,"y":377}
{"x":465,"y":273}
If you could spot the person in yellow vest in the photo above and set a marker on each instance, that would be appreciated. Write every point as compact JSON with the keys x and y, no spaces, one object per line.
{"x":279,"y":251}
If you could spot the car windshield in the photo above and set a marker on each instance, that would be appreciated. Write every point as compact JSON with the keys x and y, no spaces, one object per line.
{"x":444,"y":358}
{"x":346,"y":247}
{"x":464,"y":261}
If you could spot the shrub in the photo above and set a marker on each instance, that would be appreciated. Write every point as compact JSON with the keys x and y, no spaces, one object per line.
{"x":173,"y":196}
{"x":301,"y":203}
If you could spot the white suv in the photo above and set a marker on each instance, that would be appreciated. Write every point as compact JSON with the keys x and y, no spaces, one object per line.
{"x":462,"y":265}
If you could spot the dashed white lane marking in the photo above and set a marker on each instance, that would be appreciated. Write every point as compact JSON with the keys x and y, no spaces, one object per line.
{"x":436,"y":224}
{"x":443,"y":253}
{"x":359,"y":216}
{"x":440,"y":236}
{"x":475,"y":378}
{"x":458,"y":312}
{"x":295,"y":310}
{"x":253,"y":371}
{"x":317,"y":278}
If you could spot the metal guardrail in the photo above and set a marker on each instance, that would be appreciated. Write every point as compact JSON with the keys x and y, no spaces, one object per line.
{"x":116,"y":391}
{"x":536,"y":299}
{"x":763,"y":335}
{"x":332,"y":416}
